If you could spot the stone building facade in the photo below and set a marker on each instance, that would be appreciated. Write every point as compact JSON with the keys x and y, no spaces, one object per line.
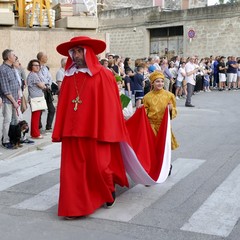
{"x":164,"y":4}
{"x":148,"y":31}
{"x":27,"y":42}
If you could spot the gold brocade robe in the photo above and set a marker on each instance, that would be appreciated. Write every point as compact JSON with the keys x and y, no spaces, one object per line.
{"x":155,"y":103}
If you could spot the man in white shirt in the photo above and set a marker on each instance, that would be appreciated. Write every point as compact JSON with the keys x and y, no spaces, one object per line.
{"x":191,"y":70}
{"x":60,"y":73}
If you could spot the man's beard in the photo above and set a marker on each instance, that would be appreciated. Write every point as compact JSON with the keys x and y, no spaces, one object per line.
{"x":80,"y":63}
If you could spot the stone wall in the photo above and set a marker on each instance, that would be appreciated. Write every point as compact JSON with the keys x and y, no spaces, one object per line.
{"x":216,"y":27}
{"x":26,"y":43}
{"x":116,"y":4}
{"x":197,"y":3}
{"x":167,"y":4}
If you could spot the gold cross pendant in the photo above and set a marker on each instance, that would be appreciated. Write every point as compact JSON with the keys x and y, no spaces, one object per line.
{"x":77,"y":101}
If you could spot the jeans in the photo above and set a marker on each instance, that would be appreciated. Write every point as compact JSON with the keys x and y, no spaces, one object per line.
{"x":190,"y":89}
{"x":9,"y":117}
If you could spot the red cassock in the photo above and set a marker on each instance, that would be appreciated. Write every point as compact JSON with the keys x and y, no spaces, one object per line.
{"x":91,"y":160}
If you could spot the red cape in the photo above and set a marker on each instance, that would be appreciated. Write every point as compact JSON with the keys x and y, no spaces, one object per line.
{"x":100,"y":114}
{"x":153,"y":152}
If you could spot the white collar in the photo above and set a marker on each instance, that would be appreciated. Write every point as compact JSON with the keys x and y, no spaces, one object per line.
{"x":73,"y":70}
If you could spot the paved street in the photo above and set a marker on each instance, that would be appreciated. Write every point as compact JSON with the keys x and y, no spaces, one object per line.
{"x":199,"y":201}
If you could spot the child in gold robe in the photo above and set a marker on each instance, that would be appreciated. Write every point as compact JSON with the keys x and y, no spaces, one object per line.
{"x":155,"y":103}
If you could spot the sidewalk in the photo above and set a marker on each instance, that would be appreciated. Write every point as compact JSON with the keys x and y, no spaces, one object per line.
{"x":38,"y":143}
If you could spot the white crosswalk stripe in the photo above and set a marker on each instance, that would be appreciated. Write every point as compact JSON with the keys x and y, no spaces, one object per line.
{"x":133,"y":201}
{"x":15,"y":171}
{"x":220,"y":212}
{"x":42,"y":201}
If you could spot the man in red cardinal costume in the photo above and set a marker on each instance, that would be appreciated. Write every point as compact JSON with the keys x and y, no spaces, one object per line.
{"x":90,"y":125}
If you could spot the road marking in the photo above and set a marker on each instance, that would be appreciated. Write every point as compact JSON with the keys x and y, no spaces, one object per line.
{"x":15,"y":174}
{"x":128,"y":204}
{"x":220,"y":212}
{"x":42,"y":201}
{"x":136,"y":199}
{"x":29,"y":159}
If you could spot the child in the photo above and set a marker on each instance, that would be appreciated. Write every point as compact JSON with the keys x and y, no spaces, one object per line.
{"x":179,"y":82}
{"x":127,"y":84}
{"x":139,"y":86}
{"x":125,"y":100}
{"x":155,"y":103}
{"x":206,"y":81}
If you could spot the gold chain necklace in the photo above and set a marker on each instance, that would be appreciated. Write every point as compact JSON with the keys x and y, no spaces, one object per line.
{"x":77,"y":100}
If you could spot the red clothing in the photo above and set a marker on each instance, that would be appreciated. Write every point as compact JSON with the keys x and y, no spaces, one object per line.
{"x":89,"y":169}
{"x":35,"y":132}
{"x":91,"y":160}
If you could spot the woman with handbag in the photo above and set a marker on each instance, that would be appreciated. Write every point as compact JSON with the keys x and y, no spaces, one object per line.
{"x":37,"y":101}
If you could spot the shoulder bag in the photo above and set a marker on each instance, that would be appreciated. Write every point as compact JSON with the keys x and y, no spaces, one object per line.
{"x":38,"y":103}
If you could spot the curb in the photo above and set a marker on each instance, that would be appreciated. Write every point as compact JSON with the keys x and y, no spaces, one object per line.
{"x":27,"y":149}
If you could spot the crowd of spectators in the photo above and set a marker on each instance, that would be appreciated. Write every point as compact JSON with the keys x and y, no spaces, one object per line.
{"x":183,"y":76}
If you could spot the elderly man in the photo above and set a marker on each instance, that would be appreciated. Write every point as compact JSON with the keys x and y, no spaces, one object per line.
{"x":90,"y":125}
{"x":9,"y":90}
{"x":45,"y":73}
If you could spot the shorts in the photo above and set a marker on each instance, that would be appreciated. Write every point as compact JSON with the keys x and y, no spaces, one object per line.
{"x":232,"y":77}
{"x":139,"y":94}
{"x":222,"y":77}
{"x":178,"y":83}
{"x":206,"y":83}
{"x":238,"y":73}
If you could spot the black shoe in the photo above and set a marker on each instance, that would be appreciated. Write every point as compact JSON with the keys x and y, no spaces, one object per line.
{"x":8,"y":145}
{"x":27,"y":141}
{"x":170,"y":171}
{"x":111,"y":204}
{"x":71,"y":218}
{"x":189,"y":105}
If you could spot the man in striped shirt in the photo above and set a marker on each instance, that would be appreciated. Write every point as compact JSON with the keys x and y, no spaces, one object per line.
{"x":9,"y":91}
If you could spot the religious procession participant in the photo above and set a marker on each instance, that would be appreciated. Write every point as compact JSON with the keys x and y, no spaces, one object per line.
{"x":125,"y":100}
{"x":90,"y":125}
{"x":156,"y":102}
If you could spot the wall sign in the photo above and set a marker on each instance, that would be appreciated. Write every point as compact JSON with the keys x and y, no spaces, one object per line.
{"x":191,"y":33}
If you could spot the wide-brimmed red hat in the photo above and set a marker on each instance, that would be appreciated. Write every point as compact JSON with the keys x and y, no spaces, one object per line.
{"x":98,"y":46}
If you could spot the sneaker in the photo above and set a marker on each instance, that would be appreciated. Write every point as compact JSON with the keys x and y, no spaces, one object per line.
{"x":8,"y":145}
{"x":189,"y":105}
{"x":111,"y":204}
{"x":177,"y":98}
{"x":27,"y":141}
